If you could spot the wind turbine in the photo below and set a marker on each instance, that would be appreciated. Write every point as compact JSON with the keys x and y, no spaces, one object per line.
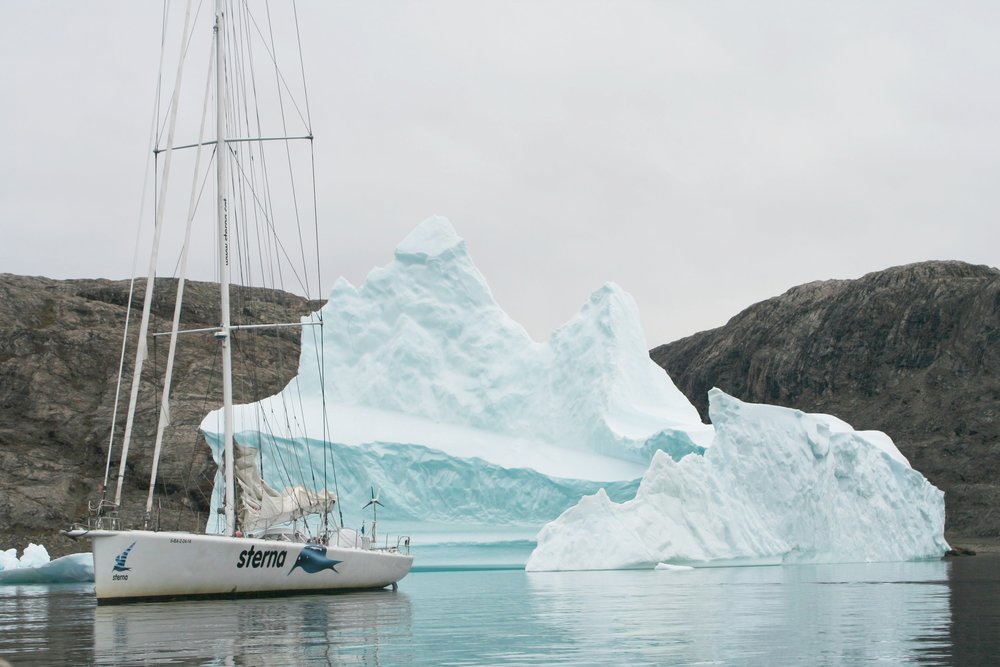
{"x":374,"y":502}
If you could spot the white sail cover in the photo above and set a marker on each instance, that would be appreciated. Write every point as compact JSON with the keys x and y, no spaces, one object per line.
{"x":262,"y":506}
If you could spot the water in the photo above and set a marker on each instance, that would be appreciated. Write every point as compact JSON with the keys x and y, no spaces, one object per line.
{"x":940,"y":612}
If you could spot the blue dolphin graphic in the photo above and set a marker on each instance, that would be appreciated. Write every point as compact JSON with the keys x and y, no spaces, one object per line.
{"x":120,"y":560}
{"x":313,"y":558}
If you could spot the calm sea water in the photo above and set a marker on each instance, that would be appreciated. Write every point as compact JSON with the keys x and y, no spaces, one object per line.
{"x":941,"y":612}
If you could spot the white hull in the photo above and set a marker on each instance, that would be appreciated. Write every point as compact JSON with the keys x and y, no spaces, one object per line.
{"x":137,"y":564}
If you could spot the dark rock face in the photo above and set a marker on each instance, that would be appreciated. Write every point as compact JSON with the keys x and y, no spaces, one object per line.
{"x":913,"y":351}
{"x":60,"y":343}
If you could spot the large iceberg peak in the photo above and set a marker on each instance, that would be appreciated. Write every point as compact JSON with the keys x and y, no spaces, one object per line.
{"x":434,"y":281}
{"x":610,"y":312}
{"x":433,"y":237}
{"x":423,"y":336}
{"x":611,"y":295}
{"x":420,"y":359}
{"x":601,"y":335}
{"x":604,"y":346}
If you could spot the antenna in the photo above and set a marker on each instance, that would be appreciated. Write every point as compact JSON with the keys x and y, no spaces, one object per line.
{"x":375,"y":504}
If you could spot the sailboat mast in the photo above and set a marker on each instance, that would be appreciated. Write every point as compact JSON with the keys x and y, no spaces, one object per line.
{"x":223,"y":222}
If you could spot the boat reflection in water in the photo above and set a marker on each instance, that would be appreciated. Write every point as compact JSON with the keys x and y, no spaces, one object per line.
{"x":308,"y":628}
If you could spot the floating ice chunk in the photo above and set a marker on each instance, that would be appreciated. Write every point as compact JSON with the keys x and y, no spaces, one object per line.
{"x":667,"y":567}
{"x":33,"y":556}
{"x":34,"y":567}
{"x":777,"y":484}
{"x":9,"y":560}
{"x":73,"y":568}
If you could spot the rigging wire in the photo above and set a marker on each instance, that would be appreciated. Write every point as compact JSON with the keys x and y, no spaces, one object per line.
{"x":251,"y":185}
{"x":186,"y":44}
{"x":288,"y":152}
{"x":279,"y":79}
{"x":302,"y":66}
{"x":270,"y":53}
{"x":151,"y":277}
{"x":150,"y":156}
{"x":321,"y":362}
{"x":270,"y":223}
{"x":164,"y":417}
{"x":251,"y":175}
{"x":251,"y":89}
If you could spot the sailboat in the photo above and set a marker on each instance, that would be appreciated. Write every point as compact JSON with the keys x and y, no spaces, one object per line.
{"x":272,"y":541}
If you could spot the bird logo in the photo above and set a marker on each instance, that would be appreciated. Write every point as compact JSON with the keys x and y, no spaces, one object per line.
{"x":120,"y":560}
{"x":313,"y":558}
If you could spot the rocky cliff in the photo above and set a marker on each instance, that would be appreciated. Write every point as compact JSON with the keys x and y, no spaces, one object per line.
{"x":60,"y":343}
{"x":913,"y":351}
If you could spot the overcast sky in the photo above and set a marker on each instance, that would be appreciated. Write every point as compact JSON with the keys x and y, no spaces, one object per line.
{"x":704,"y":155}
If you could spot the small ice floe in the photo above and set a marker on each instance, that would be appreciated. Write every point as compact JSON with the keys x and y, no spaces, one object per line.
{"x":35,"y":567}
{"x":672,"y":568}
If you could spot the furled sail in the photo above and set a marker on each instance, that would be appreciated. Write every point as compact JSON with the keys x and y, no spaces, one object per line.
{"x":262,"y":506}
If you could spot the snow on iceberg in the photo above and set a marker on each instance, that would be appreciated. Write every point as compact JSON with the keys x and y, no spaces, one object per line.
{"x":34,"y":567}
{"x":777,"y":485}
{"x":436,"y":396}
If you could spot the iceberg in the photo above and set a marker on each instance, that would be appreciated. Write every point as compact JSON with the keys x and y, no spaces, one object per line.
{"x":475,"y":434}
{"x":437,"y":398}
{"x":776,"y":486}
{"x":35,"y":567}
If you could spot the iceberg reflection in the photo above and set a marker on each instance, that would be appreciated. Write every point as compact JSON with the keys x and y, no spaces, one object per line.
{"x":804,"y":614}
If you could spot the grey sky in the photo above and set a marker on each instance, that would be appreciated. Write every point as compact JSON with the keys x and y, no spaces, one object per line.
{"x":704,"y":155}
